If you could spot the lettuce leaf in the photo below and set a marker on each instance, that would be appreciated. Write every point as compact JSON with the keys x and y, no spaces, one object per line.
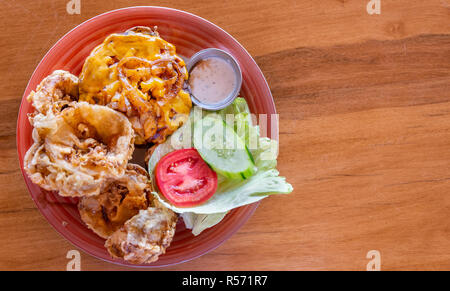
{"x":200,"y":222}
{"x":231,"y":194}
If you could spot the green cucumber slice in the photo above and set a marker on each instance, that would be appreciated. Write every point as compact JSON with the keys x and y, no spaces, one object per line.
{"x":222,"y":148}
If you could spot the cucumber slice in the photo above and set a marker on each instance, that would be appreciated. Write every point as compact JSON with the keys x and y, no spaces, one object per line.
{"x":222,"y":148}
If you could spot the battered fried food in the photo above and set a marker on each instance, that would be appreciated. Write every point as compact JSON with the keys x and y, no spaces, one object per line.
{"x":139,"y":74}
{"x":120,"y":201}
{"x":79,"y":150}
{"x":144,"y":237}
{"x":133,"y":84}
{"x":55,"y":92}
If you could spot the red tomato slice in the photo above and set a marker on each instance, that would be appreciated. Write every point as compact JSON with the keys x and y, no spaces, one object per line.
{"x":185,"y":179}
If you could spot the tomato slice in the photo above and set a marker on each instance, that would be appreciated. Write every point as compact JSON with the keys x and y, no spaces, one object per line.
{"x":185,"y":179}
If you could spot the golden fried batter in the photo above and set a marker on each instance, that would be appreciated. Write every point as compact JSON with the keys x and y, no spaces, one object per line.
{"x":78,"y":151}
{"x":120,"y":201}
{"x":139,"y":74}
{"x":55,"y":92}
{"x":144,"y":237}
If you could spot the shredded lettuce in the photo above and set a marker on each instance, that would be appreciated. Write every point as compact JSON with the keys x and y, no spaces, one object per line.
{"x":230,"y":194}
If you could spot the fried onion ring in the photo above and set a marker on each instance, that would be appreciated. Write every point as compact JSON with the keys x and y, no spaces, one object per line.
{"x":118,"y":202}
{"x":79,"y":150}
{"x":144,"y":237}
{"x":54,"y":93}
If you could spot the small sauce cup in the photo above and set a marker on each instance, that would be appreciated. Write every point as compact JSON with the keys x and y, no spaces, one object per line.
{"x":215,"y":77}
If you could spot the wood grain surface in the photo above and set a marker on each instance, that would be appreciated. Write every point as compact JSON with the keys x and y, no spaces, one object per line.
{"x":364,"y":104}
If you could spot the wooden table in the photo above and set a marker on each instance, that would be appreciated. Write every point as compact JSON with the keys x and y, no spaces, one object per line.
{"x":364,"y":104}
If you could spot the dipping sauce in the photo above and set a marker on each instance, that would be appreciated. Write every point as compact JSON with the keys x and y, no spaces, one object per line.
{"x":212,"y":80}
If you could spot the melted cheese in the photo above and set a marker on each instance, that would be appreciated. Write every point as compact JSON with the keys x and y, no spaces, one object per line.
{"x":100,"y":83}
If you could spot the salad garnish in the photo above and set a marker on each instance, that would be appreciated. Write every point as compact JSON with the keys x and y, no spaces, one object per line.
{"x":232,"y":191}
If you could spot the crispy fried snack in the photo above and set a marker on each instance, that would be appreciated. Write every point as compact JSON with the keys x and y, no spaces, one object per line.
{"x":139,"y":74}
{"x":78,"y":151}
{"x":55,"y":92}
{"x":144,"y":237}
{"x":117,"y":203}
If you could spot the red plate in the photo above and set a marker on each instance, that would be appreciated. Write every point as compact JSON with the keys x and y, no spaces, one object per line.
{"x":189,"y":33}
